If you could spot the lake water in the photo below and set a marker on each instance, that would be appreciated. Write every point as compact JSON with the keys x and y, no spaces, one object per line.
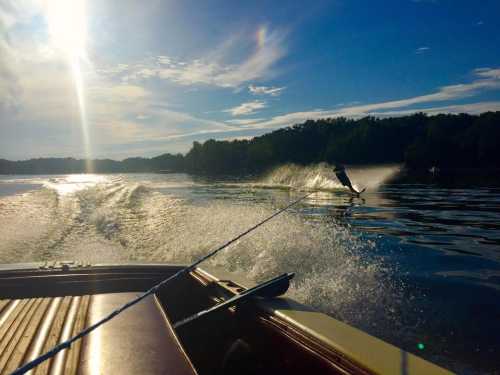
{"x":410,"y":263}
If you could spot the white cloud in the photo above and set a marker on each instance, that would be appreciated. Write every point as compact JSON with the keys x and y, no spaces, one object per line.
{"x":247,"y":108}
{"x":39,"y":107}
{"x":237,"y":137}
{"x":116,"y":69}
{"x":471,"y":108}
{"x":421,"y":50}
{"x":300,"y":117}
{"x":211,"y":69}
{"x":117,"y":93}
{"x":248,"y":121}
{"x":488,"y":73}
{"x":13,"y":12}
{"x":486,"y":79}
{"x":164,"y":60}
{"x":9,"y":88}
{"x":264,"y":90}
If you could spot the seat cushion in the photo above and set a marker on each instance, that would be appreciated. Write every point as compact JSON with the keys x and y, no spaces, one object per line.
{"x":138,"y":341}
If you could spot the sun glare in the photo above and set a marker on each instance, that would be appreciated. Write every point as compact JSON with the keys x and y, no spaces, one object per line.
{"x":68,"y":32}
{"x":67,"y":26}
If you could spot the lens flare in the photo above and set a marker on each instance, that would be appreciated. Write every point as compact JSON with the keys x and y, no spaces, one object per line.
{"x":68,"y":32}
{"x":261,"y":36}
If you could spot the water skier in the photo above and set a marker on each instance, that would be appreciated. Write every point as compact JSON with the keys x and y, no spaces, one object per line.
{"x":344,"y":179}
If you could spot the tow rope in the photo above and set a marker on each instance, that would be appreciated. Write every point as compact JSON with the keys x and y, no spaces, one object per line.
{"x":66,"y":344}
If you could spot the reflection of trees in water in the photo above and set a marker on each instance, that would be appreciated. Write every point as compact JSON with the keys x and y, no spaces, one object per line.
{"x":458,"y":220}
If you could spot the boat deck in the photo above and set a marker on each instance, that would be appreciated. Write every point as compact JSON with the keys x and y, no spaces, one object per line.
{"x":140,"y":340}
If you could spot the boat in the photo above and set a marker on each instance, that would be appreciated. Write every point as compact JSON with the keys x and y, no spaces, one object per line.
{"x":43,"y":304}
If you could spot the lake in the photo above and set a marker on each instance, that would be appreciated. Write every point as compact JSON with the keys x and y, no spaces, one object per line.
{"x":414,"y":263}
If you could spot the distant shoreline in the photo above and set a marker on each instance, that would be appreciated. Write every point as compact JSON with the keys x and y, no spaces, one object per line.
{"x":415,"y":171}
{"x":448,"y":143}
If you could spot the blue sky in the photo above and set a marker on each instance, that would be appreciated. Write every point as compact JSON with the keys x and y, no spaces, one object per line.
{"x":126,"y":78}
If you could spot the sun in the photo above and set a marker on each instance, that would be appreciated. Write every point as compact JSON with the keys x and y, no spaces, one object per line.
{"x":67,"y":26}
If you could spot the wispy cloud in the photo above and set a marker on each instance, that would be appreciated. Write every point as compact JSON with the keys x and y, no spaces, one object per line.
{"x":422,"y":50}
{"x":212,"y":69}
{"x":299,"y":117}
{"x":265,"y":90}
{"x":470,"y":108}
{"x":247,"y":108}
{"x":237,"y":137}
{"x":488,"y":73}
{"x":248,"y":121}
{"x":486,"y":79}
{"x":38,"y":99}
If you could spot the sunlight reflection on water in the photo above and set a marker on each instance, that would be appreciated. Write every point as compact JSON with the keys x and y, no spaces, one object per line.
{"x":75,"y":182}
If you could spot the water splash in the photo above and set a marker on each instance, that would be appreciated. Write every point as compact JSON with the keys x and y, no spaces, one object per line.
{"x":321,"y":177}
{"x":115,"y":220}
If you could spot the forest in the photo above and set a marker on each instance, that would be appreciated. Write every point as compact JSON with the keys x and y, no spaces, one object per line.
{"x":419,"y":141}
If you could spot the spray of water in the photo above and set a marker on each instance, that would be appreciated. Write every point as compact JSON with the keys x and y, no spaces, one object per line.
{"x":115,"y":220}
{"x":321,"y":177}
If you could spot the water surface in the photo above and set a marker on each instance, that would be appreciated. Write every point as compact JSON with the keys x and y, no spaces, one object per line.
{"x":410,"y":263}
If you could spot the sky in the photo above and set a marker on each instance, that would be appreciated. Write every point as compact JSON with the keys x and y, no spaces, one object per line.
{"x":122,"y":78}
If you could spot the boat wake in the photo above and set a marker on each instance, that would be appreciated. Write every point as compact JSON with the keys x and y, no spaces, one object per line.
{"x":113,"y":219}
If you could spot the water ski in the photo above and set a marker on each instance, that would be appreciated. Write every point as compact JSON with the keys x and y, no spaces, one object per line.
{"x":358,"y":192}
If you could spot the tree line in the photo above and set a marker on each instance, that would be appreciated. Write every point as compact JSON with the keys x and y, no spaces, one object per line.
{"x":72,"y":165}
{"x":419,"y":141}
